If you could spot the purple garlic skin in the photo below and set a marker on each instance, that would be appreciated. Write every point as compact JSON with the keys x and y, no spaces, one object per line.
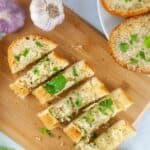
{"x":12,"y":16}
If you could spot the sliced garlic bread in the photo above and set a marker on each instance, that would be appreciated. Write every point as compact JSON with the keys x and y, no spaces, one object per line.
{"x":130,"y":44}
{"x":48,"y":66}
{"x":64,"y":110}
{"x":97,"y":115}
{"x":127,"y":8}
{"x":111,"y":139}
{"x":63,"y":81}
{"x":27,"y":50}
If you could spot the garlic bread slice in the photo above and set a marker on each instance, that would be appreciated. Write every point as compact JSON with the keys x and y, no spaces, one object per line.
{"x":99,"y":114}
{"x":111,"y":139}
{"x":27,"y":50}
{"x":45,"y":68}
{"x":66,"y":108}
{"x":127,"y":8}
{"x":130,"y":44}
{"x":63,"y":81}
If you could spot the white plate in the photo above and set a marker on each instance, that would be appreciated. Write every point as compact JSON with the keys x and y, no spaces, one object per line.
{"x":108,"y":22}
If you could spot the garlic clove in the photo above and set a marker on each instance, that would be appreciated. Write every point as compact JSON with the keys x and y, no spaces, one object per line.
{"x":47,"y":14}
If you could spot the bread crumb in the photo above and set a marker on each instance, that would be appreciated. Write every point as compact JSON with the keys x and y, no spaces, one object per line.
{"x":62,"y":144}
{"x":38,"y":138}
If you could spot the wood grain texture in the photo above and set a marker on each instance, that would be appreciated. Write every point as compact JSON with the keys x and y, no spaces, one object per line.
{"x":76,"y":40}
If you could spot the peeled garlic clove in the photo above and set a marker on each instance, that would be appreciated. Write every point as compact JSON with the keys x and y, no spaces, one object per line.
{"x":47,"y":14}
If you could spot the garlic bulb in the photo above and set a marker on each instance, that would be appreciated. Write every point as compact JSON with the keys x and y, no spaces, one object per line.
{"x":12,"y":17}
{"x":46,"y":14}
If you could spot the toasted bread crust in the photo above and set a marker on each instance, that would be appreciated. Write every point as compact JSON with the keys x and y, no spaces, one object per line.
{"x":11,"y":58}
{"x":20,"y":90}
{"x":48,"y":120}
{"x":130,"y":13}
{"x":41,"y":94}
{"x":73,"y":132}
{"x":112,"y":51}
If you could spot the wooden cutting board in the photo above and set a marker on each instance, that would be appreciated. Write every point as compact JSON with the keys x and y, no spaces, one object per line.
{"x":76,"y":40}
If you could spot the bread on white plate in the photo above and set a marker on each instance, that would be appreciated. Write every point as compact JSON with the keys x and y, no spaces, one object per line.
{"x":111,"y":138}
{"x":97,"y":115}
{"x":65,"y":109}
{"x":129,"y":44}
{"x":63,"y":81}
{"x":26,"y":50}
{"x":45,"y":68}
{"x":126,"y":8}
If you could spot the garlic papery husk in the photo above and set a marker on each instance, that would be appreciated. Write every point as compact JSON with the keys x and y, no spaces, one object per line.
{"x":47,"y":14}
{"x":12,"y":16}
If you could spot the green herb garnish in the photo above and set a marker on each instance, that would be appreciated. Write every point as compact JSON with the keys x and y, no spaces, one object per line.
{"x":45,"y":131}
{"x":133,"y":61}
{"x":89,"y":118}
{"x":38,"y":44}
{"x":26,"y":52}
{"x":127,"y":1}
{"x":124,"y":47}
{"x":78,"y":103}
{"x":56,"y":84}
{"x":55,"y":69}
{"x":105,"y":105}
{"x":36,"y":71}
{"x":147,"y":41}
{"x":134,"y":38}
{"x":74,"y":71}
{"x":6,"y":148}
{"x":17,"y":58}
{"x":142,"y":55}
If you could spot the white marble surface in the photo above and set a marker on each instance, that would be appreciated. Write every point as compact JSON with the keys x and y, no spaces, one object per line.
{"x":88,"y":10}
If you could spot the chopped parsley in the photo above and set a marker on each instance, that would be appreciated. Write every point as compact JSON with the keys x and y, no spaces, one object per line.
{"x":57,"y":84}
{"x":124,"y":47}
{"x":133,"y":38}
{"x":127,"y":1}
{"x":17,"y":58}
{"x":45,"y":59}
{"x":55,"y":69}
{"x":105,"y":105}
{"x":26,"y":52}
{"x":133,"y":61}
{"x":6,"y":148}
{"x":74,"y":71}
{"x":39,"y":44}
{"x":78,"y":103}
{"x":45,"y":131}
{"x":147,"y":41}
{"x":89,"y":118}
{"x":36,"y":71}
{"x":142,"y":56}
